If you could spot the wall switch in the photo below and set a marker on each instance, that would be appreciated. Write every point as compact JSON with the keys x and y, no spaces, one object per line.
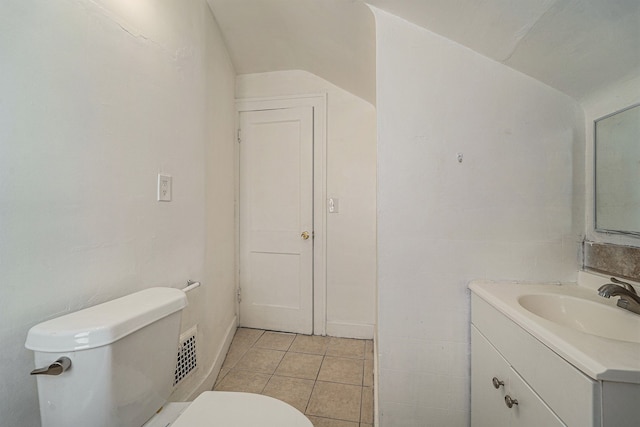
{"x":164,"y":188}
{"x":334,"y":205}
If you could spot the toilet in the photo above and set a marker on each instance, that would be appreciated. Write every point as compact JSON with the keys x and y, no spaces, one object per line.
{"x":112,"y":365}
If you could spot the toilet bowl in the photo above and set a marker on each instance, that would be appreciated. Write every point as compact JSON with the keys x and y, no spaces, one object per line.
{"x":112,"y":365}
{"x":231,"y":409}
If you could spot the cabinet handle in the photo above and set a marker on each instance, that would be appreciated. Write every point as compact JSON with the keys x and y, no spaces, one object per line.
{"x":509,"y":401}
{"x":497,"y":383}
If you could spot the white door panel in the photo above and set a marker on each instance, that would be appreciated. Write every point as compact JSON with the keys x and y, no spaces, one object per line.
{"x":276,"y":207}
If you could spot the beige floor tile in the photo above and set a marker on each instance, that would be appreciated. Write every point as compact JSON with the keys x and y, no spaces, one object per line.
{"x":260,"y":360}
{"x":275,"y":341}
{"x":366,"y":409}
{"x":312,"y":344}
{"x":246,"y":336}
{"x":294,"y":391}
{"x":337,"y":401}
{"x":234,"y":354}
{"x":245,"y":381}
{"x":368,"y":373}
{"x":257,"y":363}
{"x":368,"y":349}
{"x":243,"y":340}
{"x":346,"y":347}
{"x":328,"y":422}
{"x":223,"y":372}
{"x":341,"y":370}
{"x":300,"y":365}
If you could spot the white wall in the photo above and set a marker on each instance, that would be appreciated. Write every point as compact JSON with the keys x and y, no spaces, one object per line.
{"x":505,"y":212}
{"x":615,"y":97}
{"x":97,"y":98}
{"x":351,"y":177}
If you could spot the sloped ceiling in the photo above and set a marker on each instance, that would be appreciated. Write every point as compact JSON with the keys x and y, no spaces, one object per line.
{"x":575,"y":46}
{"x":334,"y":39}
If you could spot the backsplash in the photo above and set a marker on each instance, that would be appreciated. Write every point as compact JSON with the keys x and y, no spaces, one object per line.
{"x":616,"y":260}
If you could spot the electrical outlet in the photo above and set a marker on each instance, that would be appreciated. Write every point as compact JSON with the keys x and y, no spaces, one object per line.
{"x":164,"y":188}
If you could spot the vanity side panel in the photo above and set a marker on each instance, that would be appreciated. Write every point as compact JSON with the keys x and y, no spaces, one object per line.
{"x":621,"y":404}
{"x":573,"y":396}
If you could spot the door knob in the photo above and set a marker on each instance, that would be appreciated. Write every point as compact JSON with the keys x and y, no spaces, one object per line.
{"x":305,"y":235}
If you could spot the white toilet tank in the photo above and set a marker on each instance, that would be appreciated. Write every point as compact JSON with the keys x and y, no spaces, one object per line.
{"x":123,"y":357}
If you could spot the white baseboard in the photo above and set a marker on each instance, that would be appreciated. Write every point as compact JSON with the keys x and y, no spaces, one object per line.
{"x":350,"y":330}
{"x":209,"y":380}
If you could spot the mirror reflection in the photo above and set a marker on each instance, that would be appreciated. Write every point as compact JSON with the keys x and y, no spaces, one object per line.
{"x":617,"y":171}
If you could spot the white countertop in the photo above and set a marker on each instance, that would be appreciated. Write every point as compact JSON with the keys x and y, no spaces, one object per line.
{"x":598,"y":357}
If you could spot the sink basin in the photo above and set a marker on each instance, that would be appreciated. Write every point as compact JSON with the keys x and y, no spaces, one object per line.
{"x":588,"y":331}
{"x":584,"y":315}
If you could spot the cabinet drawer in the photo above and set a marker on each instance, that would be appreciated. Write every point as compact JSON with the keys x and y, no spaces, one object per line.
{"x":573,"y":396}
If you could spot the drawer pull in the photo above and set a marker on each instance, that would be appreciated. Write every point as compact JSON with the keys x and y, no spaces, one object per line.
{"x":497,"y":383}
{"x":509,"y":401}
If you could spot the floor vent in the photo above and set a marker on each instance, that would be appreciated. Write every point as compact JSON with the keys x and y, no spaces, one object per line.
{"x":186,"y":355}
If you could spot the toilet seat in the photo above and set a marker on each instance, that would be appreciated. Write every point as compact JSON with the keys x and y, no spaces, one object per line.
{"x":234,"y":409}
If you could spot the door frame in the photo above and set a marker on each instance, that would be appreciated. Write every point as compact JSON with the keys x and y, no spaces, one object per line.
{"x":319,"y":104}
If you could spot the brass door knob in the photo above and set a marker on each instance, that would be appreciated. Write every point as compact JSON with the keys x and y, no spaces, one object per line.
{"x":305,"y":235}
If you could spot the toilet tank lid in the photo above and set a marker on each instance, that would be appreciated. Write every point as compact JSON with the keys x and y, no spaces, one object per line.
{"x":105,"y":323}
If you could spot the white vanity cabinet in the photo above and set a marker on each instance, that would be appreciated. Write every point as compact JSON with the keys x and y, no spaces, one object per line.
{"x":560,"y":375}
{"x":550,"y":392}
{"x":495,"y":386}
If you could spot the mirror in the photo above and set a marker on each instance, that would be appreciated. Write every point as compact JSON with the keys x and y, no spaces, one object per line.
{"x":617,"y":172}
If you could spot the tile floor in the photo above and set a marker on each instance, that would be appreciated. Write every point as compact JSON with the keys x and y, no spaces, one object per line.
{"x":329,"y":379}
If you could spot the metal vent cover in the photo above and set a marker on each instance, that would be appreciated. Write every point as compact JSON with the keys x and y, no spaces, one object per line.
{"x":187,"y":361}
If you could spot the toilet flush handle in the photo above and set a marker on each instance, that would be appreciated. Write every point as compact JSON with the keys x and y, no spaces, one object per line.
{"x":56,"y":368}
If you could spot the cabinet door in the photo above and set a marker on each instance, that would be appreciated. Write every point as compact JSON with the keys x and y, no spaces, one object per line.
{"x":531,"y":411}
{"x":487,"y":403}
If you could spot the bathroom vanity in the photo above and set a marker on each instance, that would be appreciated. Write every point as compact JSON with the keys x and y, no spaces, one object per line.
{"x":553,"y":355}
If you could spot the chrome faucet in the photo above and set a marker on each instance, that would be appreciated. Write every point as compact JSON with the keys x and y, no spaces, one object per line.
{"x":629,"y":299}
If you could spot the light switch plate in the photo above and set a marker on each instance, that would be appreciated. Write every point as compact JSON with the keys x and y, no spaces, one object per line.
{"x":334,"y":205}
{"x":164,"y":187}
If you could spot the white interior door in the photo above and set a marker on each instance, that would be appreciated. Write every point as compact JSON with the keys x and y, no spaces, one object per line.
{"x":276,"y":219}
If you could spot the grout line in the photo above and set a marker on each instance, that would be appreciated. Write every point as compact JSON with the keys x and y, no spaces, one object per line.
{"x":270,"y":375}
{"x":265,"y":384}
{"x":360,"y":412}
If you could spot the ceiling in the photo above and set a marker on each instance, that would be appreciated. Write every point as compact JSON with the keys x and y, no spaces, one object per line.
{"x":575,"y":46}
{"x":334,"y":39}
